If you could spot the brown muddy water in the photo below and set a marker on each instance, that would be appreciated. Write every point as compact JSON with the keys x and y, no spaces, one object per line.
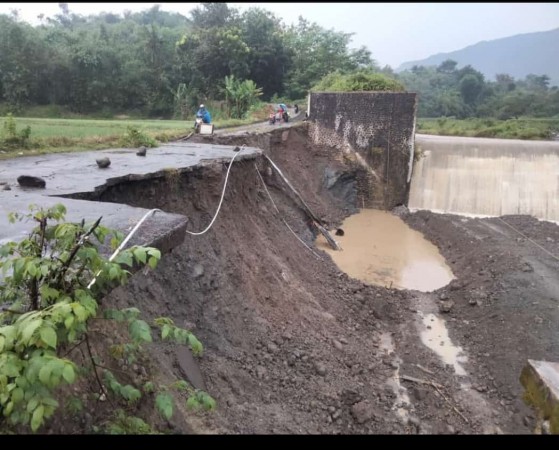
{"x":380,"y":248}
{"x":435,"y":336}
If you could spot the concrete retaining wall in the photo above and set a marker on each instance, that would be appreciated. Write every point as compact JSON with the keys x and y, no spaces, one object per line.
{"x":374,"y":130}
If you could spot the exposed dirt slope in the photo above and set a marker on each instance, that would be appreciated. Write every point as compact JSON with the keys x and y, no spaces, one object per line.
{"x":295,"y":346}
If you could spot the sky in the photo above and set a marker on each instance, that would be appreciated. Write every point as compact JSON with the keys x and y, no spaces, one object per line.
{"x":394,"y":32}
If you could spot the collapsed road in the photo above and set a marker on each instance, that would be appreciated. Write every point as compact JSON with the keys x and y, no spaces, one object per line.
{"x":292,"y":343}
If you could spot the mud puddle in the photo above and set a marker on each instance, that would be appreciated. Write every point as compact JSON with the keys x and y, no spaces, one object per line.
{"x":435,"y":336}
{"x":402,"y":404}
{"x":379,"y":248}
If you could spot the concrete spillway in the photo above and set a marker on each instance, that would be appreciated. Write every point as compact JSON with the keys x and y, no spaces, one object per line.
{"x":489,"y":177}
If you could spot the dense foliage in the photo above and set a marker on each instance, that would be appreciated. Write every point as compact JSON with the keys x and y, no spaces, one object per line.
{"x":448,"y":91}
{"x":51,"y":288}
{"x":161,"y":63}
{"x":358,"y":81}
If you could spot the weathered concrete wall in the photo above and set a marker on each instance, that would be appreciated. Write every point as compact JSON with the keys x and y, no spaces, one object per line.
{"x":487,"y":177}
{"x":374,"y":130}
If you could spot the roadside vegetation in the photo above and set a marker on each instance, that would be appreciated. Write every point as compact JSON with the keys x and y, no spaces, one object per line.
{"x":26,"y":135}
{"x":523,"y":128}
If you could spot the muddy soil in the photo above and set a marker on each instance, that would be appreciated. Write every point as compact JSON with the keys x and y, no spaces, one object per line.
{"x":293,"y":345}
{"x":505,"y":299}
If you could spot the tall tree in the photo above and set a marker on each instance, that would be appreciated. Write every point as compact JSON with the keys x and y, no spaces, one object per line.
{"x":316,"y":52}
{"x":213,"y":15}
{"x":268,"y":59}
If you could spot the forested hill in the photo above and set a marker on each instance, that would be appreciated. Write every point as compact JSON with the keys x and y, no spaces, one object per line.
{"x":163,"y":64}
{"x":517,"y":56}
{"x":143,"y":61}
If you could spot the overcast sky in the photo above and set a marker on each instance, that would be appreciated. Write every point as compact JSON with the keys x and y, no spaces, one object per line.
{"x":394,"y":32}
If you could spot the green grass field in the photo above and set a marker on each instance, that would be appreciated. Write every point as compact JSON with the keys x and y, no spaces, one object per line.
{"x":528,"y":128}
{"x":65,"y":135}
{"x":86,"y":128}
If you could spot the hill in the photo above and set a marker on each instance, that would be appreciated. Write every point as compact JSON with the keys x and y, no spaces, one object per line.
{"x":518,"y":56}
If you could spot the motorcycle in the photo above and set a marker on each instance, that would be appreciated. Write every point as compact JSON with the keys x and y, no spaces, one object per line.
{"x":197,"y":122}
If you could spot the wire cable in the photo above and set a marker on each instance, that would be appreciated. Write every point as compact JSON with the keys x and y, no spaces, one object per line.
{"x":222,"y":197}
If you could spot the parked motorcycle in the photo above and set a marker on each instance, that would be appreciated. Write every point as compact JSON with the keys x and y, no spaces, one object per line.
{"x":197,"y":122}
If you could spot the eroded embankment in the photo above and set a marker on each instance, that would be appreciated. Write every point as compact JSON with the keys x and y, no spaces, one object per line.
{"x":292,"y":345}
{"x":285,"y":351}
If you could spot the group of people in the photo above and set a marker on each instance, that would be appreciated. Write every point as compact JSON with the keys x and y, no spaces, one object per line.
{"x":204,"y":115}
{"x":279,"y":114}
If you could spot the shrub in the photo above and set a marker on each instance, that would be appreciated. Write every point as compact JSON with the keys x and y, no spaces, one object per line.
{"x":134,"y":138}
{"x":50,"y":292}
{"x":11,"y":138}
{"x":357,"y":81}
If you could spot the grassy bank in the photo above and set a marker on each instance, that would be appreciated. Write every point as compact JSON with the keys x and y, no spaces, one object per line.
{"x":51,"y":135}
{"x":530,"y":129}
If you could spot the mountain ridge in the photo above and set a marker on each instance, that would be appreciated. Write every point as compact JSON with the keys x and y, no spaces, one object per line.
{"x":519,"y":55}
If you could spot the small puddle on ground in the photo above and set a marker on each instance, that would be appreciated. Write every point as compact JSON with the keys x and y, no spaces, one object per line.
{"x":402,"y":403}
{"x":435,"y":336}
{"x":380,"y":248}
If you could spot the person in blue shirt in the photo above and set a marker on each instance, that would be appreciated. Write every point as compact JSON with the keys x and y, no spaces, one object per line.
{"x":204,"y":114}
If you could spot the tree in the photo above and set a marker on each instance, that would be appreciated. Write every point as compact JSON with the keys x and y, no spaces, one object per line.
{"x":268,"y":59}
{"x":361,"y":58}
{"x":449,"y":104}
{"x":470,"y":88}
{"x":209,"y":55}
{"x":515,"y":104}
{"x":537,"y":82}
{"x":213,"y":15}
{"x":240,"y":95}
{"x":22,"y":61}
{"x":505,"y":83}
{"x":317,"y":52}
{"x":447,"y":66}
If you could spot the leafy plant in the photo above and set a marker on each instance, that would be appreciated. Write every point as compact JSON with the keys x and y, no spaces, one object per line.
{"x":47,"y":301}
{"x":134,"y":138}
{"x":125,"y":424}
{"x":182,"y":101}
{"x":11,"y":137}
{"x":240,"y":96}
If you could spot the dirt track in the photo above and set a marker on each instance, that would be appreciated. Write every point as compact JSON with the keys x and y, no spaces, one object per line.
{"x":295,"y":346}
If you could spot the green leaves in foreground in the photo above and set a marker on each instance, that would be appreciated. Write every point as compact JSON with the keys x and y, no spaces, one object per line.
{"x":47,"y":308}
{"x":197,"y":400}
{"x":169,"y":331}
